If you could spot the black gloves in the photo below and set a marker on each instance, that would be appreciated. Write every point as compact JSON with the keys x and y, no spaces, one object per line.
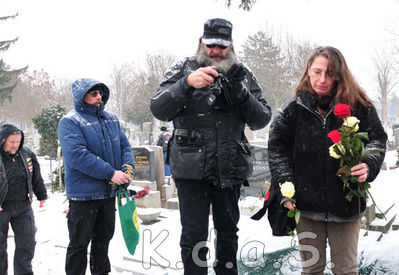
{"x":236,"y":93}
{"x":236,"y":72}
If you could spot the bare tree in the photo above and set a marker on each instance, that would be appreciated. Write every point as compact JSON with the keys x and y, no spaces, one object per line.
{"x":42,"y":86}
{"x":157,"y":64}
{"x":121,"y":78}
{"x":34,"y":92}
{"x":22,"y":107}
{"x":136,"y":85}
{"x":386,"y":78}
{"x":63,"y":93}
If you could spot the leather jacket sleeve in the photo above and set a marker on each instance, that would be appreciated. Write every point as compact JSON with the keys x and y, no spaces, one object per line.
{"x":37,"y":181}
{"x":172,"y":92}
{"x":256,"y":111}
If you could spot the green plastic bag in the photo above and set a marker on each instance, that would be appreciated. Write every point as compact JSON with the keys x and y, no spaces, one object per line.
{"x":129,"y":220}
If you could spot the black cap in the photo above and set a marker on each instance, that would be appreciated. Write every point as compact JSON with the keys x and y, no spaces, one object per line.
{"x":163,"y":128}
{"x":217,"y":31}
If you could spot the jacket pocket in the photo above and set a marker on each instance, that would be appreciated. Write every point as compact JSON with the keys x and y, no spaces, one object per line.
{"x":237,"y":160}
{"x":187,"y":160}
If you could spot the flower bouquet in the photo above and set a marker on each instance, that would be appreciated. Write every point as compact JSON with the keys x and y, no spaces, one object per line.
{"x":348,"y":147}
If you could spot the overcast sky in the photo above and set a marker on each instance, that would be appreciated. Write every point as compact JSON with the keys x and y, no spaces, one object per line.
{"x":83,"y":38}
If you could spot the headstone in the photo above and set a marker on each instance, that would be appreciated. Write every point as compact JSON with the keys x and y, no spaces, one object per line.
{"x":260,"y":174}
{"x":143,"y":183}
{"x":396,"y":135}
{"x":158,"y":165}
{"x":143,"y":159}
{"x":152,"y":200}
{"x":173,"y":203}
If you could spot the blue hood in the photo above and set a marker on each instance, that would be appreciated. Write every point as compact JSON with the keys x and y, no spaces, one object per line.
{"x":81,"y":86}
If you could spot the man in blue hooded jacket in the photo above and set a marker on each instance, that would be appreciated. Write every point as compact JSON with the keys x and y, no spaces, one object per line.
{"x":97,"y":157}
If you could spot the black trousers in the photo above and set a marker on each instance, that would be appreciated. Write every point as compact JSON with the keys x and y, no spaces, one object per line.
{"x":90,"y":221}
{"x":20,"y":216}
{"x":195,"y":199}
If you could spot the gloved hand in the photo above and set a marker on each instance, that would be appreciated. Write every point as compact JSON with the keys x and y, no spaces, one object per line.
{"x":128,"y":170}
{"x":236,"y":73}
{"x":237,"y":93}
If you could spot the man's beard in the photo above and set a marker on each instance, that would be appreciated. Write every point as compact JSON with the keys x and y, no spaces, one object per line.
{"x":222,"y":65}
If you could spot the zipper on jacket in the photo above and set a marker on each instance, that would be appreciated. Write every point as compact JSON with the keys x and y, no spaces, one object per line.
{"x":29,"y":179}
{"x":323,"y":124}
{"x":219,"y":168}
{"x":325,"y":186}
{"x":317,"y":114}
{"x":105,"y":144}
{"x":325,"y":119}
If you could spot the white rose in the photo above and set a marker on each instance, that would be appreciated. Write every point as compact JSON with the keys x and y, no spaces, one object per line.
{"x":351,"y":124}
{"x":340,"y":147}
{"x":287,"y":189}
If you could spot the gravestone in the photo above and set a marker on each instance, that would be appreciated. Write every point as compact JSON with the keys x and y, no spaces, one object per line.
{"x":158,"y":166}
{"x":396,"y":135}
{"x":149,"y":171}
{"x":143,"y":158}
{"x":260,"y":174}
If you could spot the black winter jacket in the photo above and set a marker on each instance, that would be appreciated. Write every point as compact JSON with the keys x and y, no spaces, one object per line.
{"x":298,"y":152}
{"x":208,"y":142}
{"x":31,"y":166}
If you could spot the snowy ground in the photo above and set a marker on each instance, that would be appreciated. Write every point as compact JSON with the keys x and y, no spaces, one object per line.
{"x":158,"y":251}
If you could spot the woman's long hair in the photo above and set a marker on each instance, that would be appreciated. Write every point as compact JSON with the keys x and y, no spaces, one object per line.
{"x":348,"y":90}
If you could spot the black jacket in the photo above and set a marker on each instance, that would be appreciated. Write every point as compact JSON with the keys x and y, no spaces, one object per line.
{"x":298,"y":152}
{"x":31,"y":166}
{"x":208,"y":142}
{"x":163,"y":140}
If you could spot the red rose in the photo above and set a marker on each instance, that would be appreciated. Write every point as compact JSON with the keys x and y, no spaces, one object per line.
{"x":334,"y":135}
{"x":342,"y":110}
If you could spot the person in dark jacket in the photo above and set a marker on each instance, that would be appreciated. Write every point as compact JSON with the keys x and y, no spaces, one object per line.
{"x":210,"y":97}
{"x":20,"y":178}
{"x":97,"y":157}
{"x":163,"y":140}
{"x":299,"y":153}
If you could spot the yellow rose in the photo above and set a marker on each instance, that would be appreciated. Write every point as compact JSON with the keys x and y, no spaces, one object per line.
{"x":287,"y":189}
{"x":351,"y":124}
{"x":340,"y":147}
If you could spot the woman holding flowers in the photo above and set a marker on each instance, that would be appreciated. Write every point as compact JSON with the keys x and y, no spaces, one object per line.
{"x":300,"y":151}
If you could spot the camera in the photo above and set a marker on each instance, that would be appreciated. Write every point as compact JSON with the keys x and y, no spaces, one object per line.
{"x":216,"y":87}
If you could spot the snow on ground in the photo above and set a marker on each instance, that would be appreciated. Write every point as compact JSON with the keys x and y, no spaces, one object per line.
{"x":158,"y":251}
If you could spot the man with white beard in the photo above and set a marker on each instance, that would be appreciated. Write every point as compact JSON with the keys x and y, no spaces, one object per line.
{"x":210,"y":97}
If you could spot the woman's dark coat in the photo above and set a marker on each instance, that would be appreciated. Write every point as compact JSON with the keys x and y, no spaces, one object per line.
{"x":298,"y":152}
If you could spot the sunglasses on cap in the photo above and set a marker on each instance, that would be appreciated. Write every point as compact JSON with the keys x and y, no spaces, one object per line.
{"x":95,"y":93}
{"x":211,"y":46}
